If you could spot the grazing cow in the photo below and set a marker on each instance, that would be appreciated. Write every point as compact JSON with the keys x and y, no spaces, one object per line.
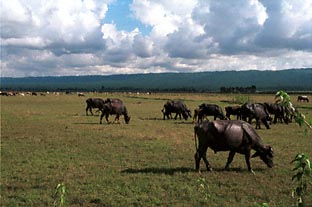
{"x":210,"y":110}
{"x":303,"y":98}
{"x":234,"y":136}
{"x":176,"y":106}
{"x":94,"y":103}
{"x":196,"y":114}
{"x":291,"y":113}
{"x":233,"y":110}
{"x":80,"y":94}
{"x":114,"y":106}
{"x":257,"y":111}
{"x":278,"y":111}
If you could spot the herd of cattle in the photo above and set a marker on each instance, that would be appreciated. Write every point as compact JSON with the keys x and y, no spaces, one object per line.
{"x":236,"y":136}
{"x":247,"y":112}
{"x":108,"y":107}
{"x":261,"y":112}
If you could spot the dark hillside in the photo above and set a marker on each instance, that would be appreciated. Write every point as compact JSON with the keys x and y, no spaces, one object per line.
{"x":289,"y":80}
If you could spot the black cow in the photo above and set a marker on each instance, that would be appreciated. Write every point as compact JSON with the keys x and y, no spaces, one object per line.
{"x":114,"y":106}
{"x":256,"y":111}
{"x":176,"y":106}
{"x":291,"y":113}
{"x":233,"y":110}
{"x":197,"y":113}
{"x":278,"y":111}
{"x":234,"y":136}
{"x":210,"y":110}
{"x":94,"y":103}
{"x":4,"y":94}
{"x":303,"y":98}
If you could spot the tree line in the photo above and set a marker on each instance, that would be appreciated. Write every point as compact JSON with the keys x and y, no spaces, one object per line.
{"x":251,"y":89}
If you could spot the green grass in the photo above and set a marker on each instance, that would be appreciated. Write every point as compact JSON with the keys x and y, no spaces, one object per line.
{"x":47,"y":140}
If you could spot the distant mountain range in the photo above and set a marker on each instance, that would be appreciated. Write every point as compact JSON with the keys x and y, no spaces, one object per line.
{"x":288,"y":80}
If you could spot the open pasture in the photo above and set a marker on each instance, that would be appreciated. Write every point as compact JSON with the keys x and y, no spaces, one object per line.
{"x":46,"y":140}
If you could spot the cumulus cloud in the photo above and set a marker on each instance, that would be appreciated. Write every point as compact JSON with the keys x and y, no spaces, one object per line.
{"x":72,"y":38}
{"x":288,"y":26}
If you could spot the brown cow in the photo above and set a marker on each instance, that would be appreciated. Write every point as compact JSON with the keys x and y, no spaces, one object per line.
{"x":234,"y":136}
{"x":303,"y":98}
{"x":114,"y":106}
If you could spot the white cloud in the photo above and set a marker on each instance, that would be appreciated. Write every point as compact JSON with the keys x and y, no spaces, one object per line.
{"x":163,"y":16}
{"x":291,"y":22}
{"x":35,"y":42}
{"x":56,"y":37}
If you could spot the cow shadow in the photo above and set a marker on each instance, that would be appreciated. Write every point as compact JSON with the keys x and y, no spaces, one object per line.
{"x":153,"y":170}
{"x":184,"y":122}
{"x":172,"y":171}
{"x":87,"y":123}
{"x":150,"y":118}
{"x":232,"y":170}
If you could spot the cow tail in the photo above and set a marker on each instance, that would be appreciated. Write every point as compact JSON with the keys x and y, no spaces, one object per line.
{"x":195,"y":137}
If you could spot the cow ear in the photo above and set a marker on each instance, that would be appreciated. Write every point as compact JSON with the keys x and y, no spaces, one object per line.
{"x":270,"y":150}
{"x":256,"y":154}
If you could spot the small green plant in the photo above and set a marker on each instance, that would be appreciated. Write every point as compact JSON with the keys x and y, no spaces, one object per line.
{"x":283,"y":98}
{"x":262,"y":205}
{"x":59,"y":195}
{"x":303,"y":170}
{"x":203,"y":187}
{"x":303,"y":166}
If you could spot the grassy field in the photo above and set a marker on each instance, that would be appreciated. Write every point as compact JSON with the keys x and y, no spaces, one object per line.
{"x":47,"y":140}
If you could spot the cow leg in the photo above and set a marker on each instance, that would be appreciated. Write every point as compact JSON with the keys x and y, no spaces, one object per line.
{"x":198,"y":155}
{"x":197,"y":161}
{"x":275,"y":119}
{"x":117,"y":118}
{"x":200,"y":118}
{"x":176,"y":116}
{"x":265,"y":122}
{"x":229,"y":160}
{"x":249,"y":120}
{"x":258,"y":124}
{"x":247,"y":158}
{"x":102,"y":114}
{"x":90,"y":109}
{"x":164,"y":114}
{"x":106,"y":117}
{"x":180,"y":116}
{"x":207,"y":163}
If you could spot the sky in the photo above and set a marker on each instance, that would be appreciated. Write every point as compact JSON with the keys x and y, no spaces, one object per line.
{"x":104,"y":37}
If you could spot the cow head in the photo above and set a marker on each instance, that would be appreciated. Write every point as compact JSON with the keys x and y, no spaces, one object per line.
{"x":186,"y":114}
{"x":266,"y":155}
{"x":127,"y":119}
{"x":108,"y":100}
{"x":189,"y":113}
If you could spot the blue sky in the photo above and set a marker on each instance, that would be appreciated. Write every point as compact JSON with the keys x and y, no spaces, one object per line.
{"x":103,"y":37}
{"x":119,"y":13}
